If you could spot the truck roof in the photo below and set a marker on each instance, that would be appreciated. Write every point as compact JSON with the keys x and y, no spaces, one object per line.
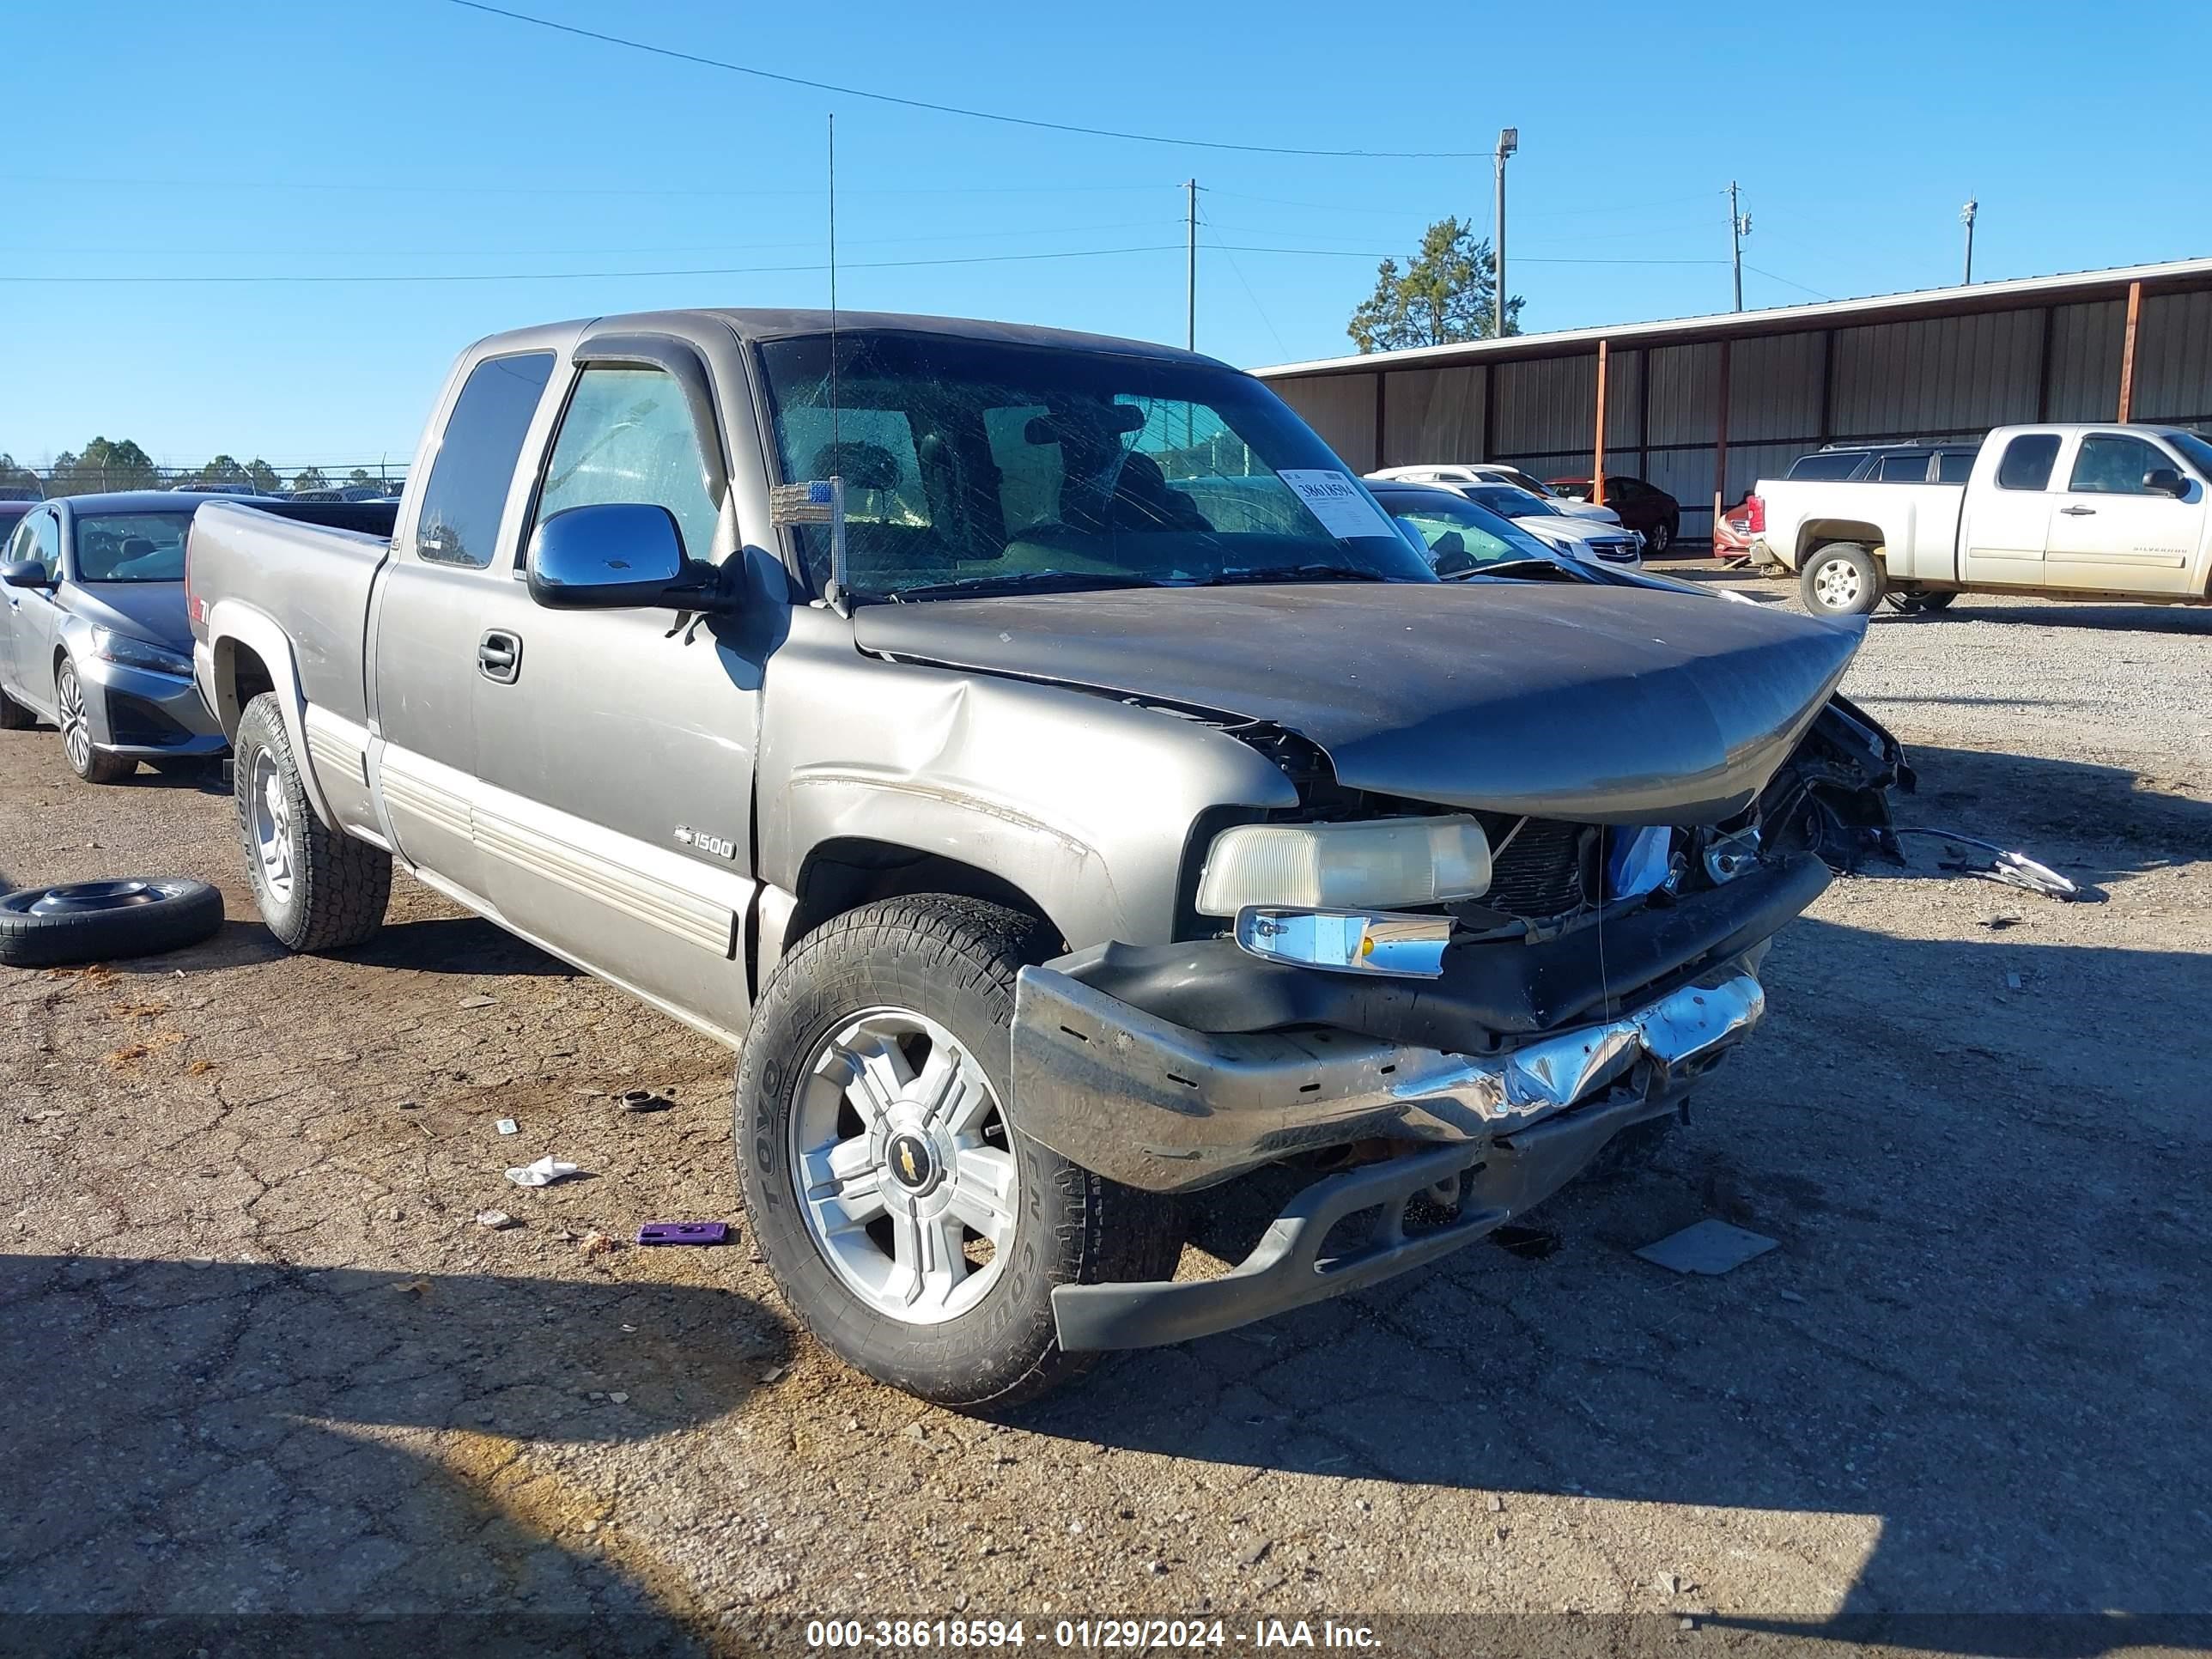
{"x":752,"y":324}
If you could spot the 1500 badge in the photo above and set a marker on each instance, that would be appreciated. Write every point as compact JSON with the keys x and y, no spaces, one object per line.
{"x":706,"y":843}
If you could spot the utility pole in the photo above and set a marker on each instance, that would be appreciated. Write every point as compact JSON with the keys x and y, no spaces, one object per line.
{"x":1508,"y":140}
{"x":1739,"y":228}
{"x":1966,"y":218}
{"x":1190,"y":271}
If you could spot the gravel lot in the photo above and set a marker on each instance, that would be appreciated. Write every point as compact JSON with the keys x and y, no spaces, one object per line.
{"x":257,"y":1357}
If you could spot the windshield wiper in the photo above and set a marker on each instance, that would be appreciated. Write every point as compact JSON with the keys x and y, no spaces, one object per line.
{"x":1018,"y":581}
{"x":1531,"y":570}
{"x":1295,"y":572}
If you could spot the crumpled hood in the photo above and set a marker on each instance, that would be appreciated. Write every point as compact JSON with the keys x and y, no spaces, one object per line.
{"x":145,"y":610}
{"x":1595,"y":704}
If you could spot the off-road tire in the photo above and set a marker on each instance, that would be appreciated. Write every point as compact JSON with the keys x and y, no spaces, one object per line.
{"x":954,"y":960}
{"x":341,"y":886}
{"x":14,"y":717}
{"x":179,"y":913}
{"x":1818,"y":577}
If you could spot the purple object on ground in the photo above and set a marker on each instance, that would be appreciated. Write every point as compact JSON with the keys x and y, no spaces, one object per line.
{"x":683,"y":1232}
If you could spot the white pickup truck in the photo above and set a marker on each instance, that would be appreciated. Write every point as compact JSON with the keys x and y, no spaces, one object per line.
{"x":2085,"y":511}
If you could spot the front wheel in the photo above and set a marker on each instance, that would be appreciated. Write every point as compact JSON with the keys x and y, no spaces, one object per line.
{"x":1841,"y":579}
{"x":1658,"y":539}
{"x":318,"y":889}
{"x":76,"y":723}
{"x":909,"y":1223}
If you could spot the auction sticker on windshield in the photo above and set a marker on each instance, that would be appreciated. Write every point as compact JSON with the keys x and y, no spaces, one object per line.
{"x":1344,"y":509}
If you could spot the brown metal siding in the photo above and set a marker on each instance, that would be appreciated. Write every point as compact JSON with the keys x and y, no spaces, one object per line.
{"x":1944,"y":375}
{"x":1432,"y":415}
{"x":2174,"y":358}
{"x":1341,"y":408}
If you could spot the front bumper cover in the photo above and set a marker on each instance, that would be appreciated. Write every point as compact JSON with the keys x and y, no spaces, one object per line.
{"x":1157,"y":1106}
{"x":144,"y":714}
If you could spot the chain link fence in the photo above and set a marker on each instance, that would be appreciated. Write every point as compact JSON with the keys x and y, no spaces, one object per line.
{"x":349,"y":481}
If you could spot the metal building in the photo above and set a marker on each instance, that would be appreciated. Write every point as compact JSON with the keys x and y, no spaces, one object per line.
{"x":1703,"y":406}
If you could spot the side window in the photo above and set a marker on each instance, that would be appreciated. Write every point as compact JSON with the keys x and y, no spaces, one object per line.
{"x":2028,"y":461}
{"x":46,"y":544}
{"x":2113,"y":464}
{"x":629,"y":439}
{"x":1904,"y":469}
{"x":475,"y":459}
{"x":1954,"y":466}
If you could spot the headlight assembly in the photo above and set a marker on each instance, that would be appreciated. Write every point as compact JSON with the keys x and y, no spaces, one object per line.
{"x":130,"y":652}
{"x":1380,"y":863}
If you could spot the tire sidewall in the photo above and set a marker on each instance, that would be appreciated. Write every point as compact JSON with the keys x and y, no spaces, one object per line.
{"x":262,"y":733}
{"x":986,"y":1349}
{"x":1861,"y":562}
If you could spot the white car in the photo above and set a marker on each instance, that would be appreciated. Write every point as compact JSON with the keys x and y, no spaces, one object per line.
{"x":1498,"y":472}
{"x":1577,"y":535}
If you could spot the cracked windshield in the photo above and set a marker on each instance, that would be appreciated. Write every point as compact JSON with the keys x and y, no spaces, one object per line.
{"x":972,"y":467}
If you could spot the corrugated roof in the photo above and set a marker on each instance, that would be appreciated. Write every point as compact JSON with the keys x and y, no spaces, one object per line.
{"x":1780,"y":320}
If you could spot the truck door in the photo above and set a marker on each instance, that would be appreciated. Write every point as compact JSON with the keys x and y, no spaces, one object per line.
{"x":616,"y":748}
{"x":2003,"y":525}
{"x":433,"y":607}
{"x":2112,"y":531}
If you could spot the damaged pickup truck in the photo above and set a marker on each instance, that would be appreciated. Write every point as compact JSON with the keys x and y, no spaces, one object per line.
{"x":1052,"y":772}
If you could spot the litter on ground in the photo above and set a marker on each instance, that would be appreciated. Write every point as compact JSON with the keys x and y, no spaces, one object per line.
{"x":1707,"y":1246}
{"x":544,"y":1173}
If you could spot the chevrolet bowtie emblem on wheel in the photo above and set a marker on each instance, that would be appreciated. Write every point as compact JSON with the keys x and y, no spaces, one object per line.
{"x":907,"y":1165}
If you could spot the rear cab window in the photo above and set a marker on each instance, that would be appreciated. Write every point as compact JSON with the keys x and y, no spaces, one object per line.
{"x":1832,"y":468}
{"x":462,"y":503}
{"x":1954,"y":466}
{"x":2028,"y":461}
{"x":1904,"y":469}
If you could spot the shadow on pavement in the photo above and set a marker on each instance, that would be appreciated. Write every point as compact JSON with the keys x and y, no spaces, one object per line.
{"x":456,"y":945}
{"x":216,"y":1441}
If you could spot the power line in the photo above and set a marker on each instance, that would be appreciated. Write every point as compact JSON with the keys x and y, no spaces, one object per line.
{"x":955,"y":109}
{"x":602,"y":275}
{"x":567,"y":190}
{"x":1786,"y":282}
{"x":1351,"y":254}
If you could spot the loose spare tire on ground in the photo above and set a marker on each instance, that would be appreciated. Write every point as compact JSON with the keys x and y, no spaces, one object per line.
{"x":105,"y":920}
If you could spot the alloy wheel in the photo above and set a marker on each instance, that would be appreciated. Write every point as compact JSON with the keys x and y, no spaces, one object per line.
{"x":1836,"y":585}
{"x":76,"y":729}
{"x":904,"y":1166}
{"x":272,"y":827}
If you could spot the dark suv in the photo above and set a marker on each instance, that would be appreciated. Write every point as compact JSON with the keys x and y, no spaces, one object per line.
{"x":1643,"y":506}
{"x":1882,"y":464}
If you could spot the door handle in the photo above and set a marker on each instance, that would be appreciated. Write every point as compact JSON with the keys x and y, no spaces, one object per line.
{"x":498,"y":657}
{"x":2078,"y":511}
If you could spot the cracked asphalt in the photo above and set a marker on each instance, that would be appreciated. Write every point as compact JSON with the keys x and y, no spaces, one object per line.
{"x":259,"y":1358}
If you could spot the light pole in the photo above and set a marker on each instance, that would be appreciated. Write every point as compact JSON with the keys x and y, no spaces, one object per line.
{"x":1739,"y":228}
{"x":1966,"y":218}
{"x":1508,"y":140}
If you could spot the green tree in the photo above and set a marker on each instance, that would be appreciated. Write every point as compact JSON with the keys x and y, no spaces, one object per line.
{"x":263,"y":477}
{"x":360,"y":475}
{"x":15,"y":475}
{"x":310,"y":478}
{"x":1445,"y":293}
{"x":222,"y":470}
{"x":103,"y":464}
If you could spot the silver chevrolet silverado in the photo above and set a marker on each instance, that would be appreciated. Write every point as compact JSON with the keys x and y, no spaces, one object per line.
{"x":1048,"y":766}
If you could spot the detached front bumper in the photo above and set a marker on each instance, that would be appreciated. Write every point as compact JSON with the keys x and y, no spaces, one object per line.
{"x":1179,"y":1068}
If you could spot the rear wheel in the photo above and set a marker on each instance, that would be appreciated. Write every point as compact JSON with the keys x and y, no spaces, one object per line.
{"x":1659,"y":538}
{"x":318,"y":889}
{"x":1840,"y":579}
{"x":909,"y":1223}
{"x":87,"y":761}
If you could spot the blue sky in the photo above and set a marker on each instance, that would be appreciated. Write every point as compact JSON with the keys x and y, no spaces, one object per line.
{"x":413,"y":137}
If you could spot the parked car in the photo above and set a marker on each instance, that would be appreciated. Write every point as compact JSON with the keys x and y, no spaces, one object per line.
{"x":1732,"y":536}
{"x":1497,"y":473}
{"x":2074,"y":511}
{"x":15,"y":493}
{"x":94,"y":638}
{"x":1462,"y":541}
{"x":1645,"y":508}
{"x":11,"y":514}
{"x":1895,"y":463}
{"x":920,"y":729}
{"x":1577,"y":536}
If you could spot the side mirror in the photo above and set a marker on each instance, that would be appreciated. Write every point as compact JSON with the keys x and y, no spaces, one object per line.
{"x":23,"y":573}
{"x":615,"y":557}
{"x":2164,"y":481}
